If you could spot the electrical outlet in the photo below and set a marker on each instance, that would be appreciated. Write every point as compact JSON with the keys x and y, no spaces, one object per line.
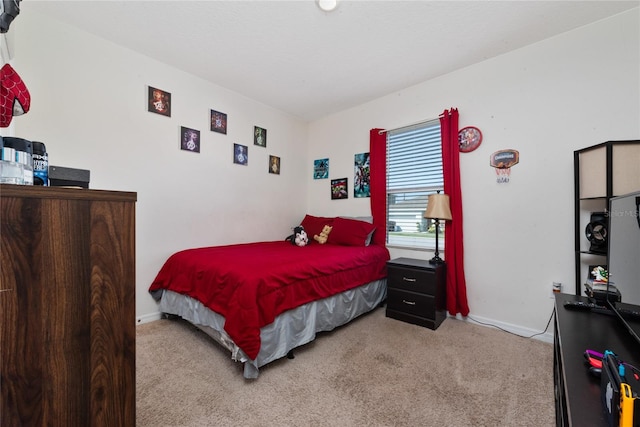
{"x":556,"y":288}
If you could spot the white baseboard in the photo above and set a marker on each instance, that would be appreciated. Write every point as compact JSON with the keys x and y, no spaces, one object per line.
{"x":148,"y":318}
{"x":515,"y":329}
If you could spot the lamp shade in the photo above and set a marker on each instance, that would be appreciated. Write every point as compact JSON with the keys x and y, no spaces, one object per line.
{"x":438,"y":207}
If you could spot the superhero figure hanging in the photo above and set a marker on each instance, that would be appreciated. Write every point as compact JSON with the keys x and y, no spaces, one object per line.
{"x":9,"y":10}
{"x":15,"y":99}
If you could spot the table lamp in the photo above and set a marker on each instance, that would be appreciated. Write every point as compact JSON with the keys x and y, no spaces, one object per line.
{"x":438,"y":209}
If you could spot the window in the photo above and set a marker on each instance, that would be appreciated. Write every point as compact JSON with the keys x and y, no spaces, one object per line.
{"x":414,"y":170}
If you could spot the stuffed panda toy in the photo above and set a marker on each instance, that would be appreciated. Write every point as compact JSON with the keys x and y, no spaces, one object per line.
{"x":299,"y":236}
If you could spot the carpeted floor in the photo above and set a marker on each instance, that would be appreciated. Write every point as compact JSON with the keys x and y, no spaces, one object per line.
{"x":375,"y":371}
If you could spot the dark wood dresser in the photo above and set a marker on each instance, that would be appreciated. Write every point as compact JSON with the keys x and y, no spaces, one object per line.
{"x":67,"y":307}
{"x":416,"y":292}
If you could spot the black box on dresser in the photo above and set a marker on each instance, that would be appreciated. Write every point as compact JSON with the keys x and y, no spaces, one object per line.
{"x":416,"y":292}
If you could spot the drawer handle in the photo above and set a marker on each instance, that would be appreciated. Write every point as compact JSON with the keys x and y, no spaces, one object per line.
{"x":409,"y":302}
{"x":408,"y":279}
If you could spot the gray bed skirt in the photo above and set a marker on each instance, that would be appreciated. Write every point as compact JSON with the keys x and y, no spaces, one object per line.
{"x":291,"y":329}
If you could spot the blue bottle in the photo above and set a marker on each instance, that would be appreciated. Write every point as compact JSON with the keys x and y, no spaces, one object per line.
{"x":40,"y":164}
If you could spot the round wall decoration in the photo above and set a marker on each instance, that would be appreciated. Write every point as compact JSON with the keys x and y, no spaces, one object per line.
{"x":469,"y":138}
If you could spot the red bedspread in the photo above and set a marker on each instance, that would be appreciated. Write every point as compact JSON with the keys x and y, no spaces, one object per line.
{"x":250,"y":284}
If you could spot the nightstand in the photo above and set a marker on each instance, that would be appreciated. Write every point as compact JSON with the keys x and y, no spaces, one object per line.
{"x":416,"y":292}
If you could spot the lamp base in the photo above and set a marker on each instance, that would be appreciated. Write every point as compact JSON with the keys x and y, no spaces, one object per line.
{"x":436,"y":254}
{"x":436,"y":260}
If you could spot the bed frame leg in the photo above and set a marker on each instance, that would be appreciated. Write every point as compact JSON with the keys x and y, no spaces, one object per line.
{"x":169,"y":316}
{"x":290,"y":355}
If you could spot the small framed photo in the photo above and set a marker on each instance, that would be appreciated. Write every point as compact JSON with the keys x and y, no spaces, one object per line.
{"x":339,"y":189}
{"x":159,"y":101}
{"x":274,"y":165}
{"x":361,"y":175}
{"x":218,"y":122}
{"x":240,"y":154}
{"x":189,"y":139}
{"x":259,"y":136}
{"x":321,"y":169}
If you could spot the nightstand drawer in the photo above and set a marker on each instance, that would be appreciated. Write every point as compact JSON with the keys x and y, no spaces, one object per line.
{"x":411,"y":303}
{"x":411,"y":279}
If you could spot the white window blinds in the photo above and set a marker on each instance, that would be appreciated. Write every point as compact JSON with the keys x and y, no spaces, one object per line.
{"x":414,"y":170}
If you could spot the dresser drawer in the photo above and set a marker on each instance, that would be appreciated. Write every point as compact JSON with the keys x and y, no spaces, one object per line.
{"x":411,"y":303}
{"x":411,"y":279}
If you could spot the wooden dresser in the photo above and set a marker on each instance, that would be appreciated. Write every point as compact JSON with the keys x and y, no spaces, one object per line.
{"x":67,"y":307}
{"x":416,"y":292}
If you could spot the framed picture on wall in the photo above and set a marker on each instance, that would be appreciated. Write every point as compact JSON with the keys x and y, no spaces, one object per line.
{"x":339,"y":189}
{"x":259,"y":136}
{"x":274,"y":165}
{"x":361,"y":175}
{"x":159,"y":101}
{"x":240,"y":154}
{"x":189,"y":139}
{"x":321,"y":169}
{"x":218,"y":122}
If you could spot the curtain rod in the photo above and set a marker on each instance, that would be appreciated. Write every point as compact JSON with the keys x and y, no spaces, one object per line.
{"x":405,"y":126}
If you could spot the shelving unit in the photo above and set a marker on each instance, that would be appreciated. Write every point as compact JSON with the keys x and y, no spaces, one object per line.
{"x":601,"y":172}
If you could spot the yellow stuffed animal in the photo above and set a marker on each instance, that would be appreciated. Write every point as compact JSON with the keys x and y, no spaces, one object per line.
{"x":322,"y":238}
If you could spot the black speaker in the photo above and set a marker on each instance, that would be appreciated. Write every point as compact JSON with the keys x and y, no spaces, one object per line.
{"x":597,"y":232}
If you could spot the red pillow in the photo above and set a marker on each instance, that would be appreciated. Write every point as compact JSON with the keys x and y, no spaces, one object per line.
{"x":350,"y":232}
{"x":313,"y":224}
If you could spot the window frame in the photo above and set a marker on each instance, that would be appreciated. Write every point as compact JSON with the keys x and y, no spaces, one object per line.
{"x":401,"y":169}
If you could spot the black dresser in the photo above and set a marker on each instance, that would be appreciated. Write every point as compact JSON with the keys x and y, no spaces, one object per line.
{"x":416,"y":292}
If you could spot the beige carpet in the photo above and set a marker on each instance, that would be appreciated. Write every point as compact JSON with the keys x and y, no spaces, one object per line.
{"x":375,"y":371}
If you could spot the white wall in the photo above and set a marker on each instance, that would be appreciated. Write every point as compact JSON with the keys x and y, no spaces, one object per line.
{"x":89,"y":108}
{"x":546,"y":100}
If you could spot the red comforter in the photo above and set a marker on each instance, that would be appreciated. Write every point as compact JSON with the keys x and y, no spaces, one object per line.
{"x":250,"y":284}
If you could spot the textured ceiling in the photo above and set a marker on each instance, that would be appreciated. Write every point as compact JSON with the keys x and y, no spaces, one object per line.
{"x":296,"y":58}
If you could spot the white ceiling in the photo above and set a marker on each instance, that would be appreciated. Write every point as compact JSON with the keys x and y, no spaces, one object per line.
{"x":294,"y":57}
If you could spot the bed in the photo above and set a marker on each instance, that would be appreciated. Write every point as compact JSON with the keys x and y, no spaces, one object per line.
{"x":262,"y":300}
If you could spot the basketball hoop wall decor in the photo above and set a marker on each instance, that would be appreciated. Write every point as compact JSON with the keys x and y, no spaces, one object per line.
{"x":502,"y":161}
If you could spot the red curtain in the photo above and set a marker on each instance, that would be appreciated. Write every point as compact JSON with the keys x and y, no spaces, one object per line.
{"x":378,"y":184}
{"x":453,"y":242}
